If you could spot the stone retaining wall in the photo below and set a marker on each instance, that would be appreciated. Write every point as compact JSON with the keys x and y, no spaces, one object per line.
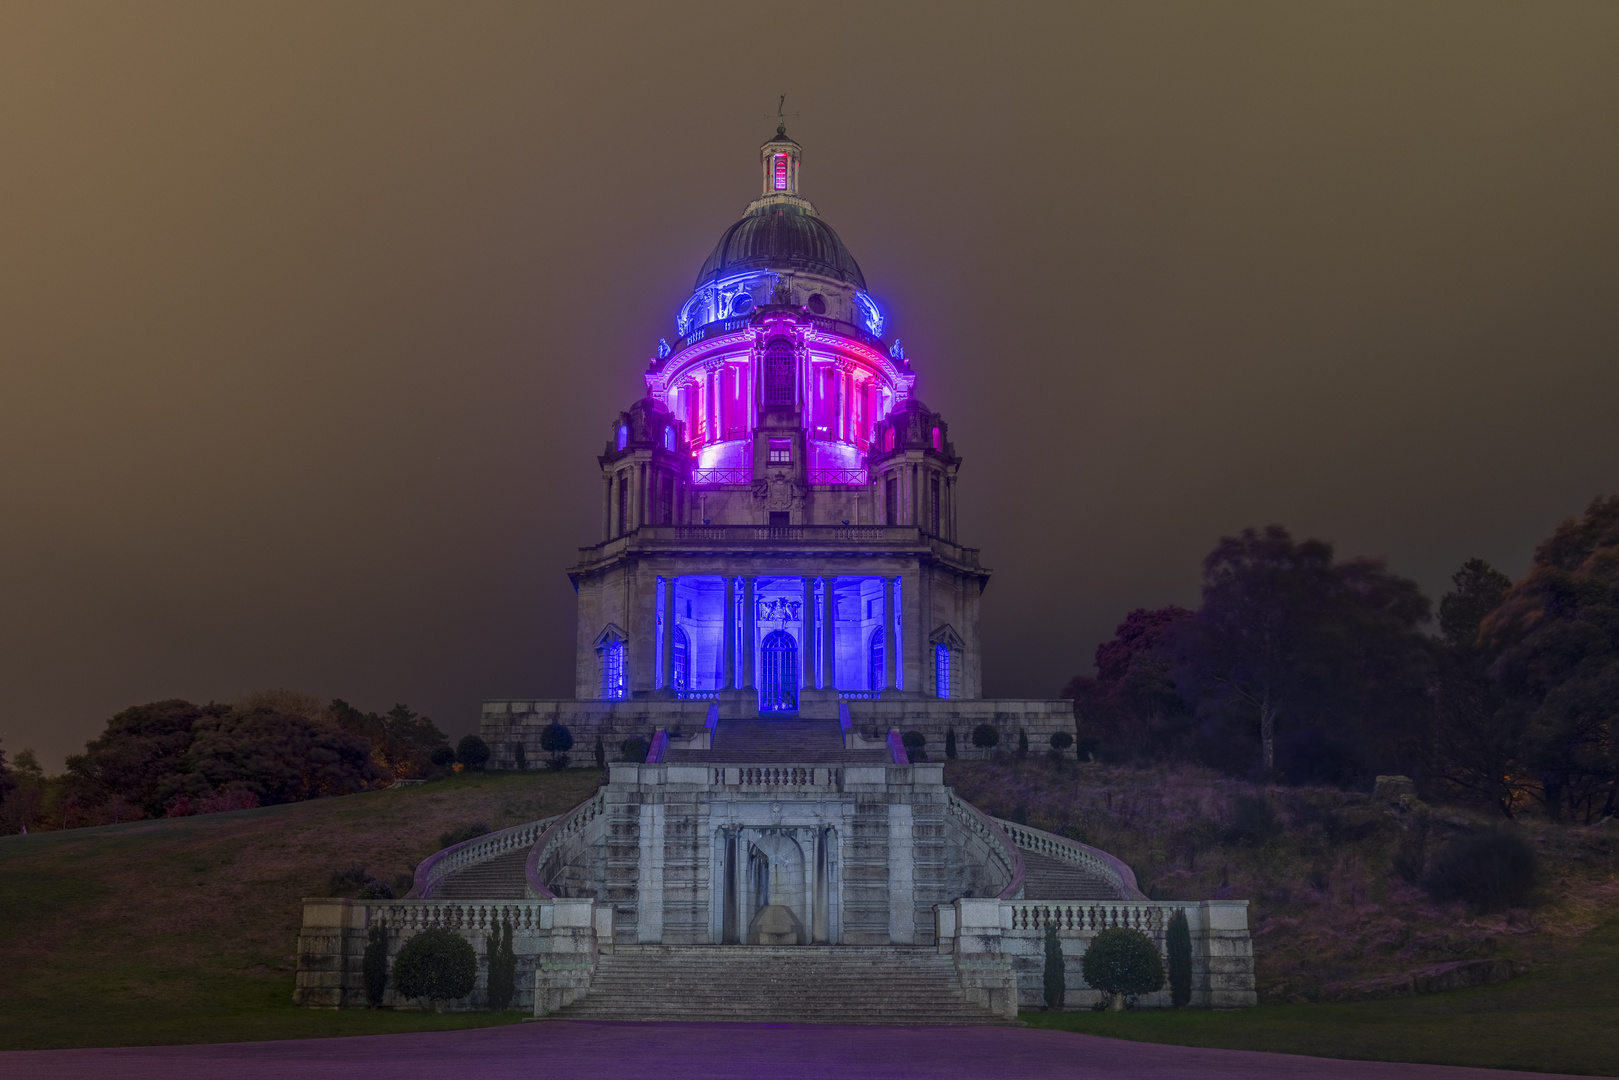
{"x":505,"y":724}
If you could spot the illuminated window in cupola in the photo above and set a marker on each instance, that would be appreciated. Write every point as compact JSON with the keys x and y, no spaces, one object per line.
{"x":779,"y":373}
{"x":668,"y":438}
{"x":623,"y":436}
{"x":781,"y":172}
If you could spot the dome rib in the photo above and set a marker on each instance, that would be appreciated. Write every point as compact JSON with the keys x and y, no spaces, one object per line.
{"x":777,"y":238}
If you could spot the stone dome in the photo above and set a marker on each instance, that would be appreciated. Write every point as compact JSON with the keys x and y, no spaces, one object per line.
{"x":781,"y":235}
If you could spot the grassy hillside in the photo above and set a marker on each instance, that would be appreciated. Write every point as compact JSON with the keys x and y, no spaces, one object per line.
{"x":1333,"y":920}
{"x":185,"y":929}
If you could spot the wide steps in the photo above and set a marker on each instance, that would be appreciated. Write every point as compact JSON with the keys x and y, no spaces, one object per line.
{"x":500,"y":878}
{"x":784,"y":735}
{"x":810,"y":984}
{"x":779,"y":742}
{"x":1046,"y":878}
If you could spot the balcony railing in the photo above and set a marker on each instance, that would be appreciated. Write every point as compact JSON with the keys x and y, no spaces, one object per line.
{"x":708,"y":477}
{"x":838,"y":476}
{"x":893,"y":534}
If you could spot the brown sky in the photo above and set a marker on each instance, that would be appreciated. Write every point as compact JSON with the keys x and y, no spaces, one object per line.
{"x":314,"y":316}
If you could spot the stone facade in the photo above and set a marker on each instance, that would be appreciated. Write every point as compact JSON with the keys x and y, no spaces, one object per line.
{"x":779,"y":590}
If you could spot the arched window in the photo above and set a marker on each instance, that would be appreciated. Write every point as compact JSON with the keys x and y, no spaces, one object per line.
{"x":874,"y":666}
{"x":941,"y":669}
{"x":779,"y":371}
{"x":669,"y":438}
{"x":611,"y":655}
{"x":778,"y":687}
{"x":682,"y":661}
{"x":938,"y":443}
{"x":623,"y":436}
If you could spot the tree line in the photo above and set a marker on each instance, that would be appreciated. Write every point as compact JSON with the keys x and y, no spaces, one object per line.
{"x":174,"y":758}
{"x":1304,"y":668}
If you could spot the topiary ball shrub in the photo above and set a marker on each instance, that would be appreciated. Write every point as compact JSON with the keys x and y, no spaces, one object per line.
{"x":634,"y":749}
{"x":437,"y":965}
{"x":472,"y":753}
{"x":1123,"y":963}
{"x":915,"y":745}
{"x":443,"y":756}
{"x":556,"y":741}
{"x":985,"y":737}
{"x":1489,"y":869}
{"x":1060,"y":742}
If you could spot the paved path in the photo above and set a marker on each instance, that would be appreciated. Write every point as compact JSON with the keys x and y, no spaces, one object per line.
{"x":605,"y":1051}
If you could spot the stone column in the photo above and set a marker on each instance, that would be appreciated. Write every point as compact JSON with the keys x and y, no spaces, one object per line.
{"x":888,"y":634}
{"x":829,"y":638}
{"x":729,"y":622}
{"x":750,"y":612}
{"x":669,"y":633}
{"x":730,"y":931}
{"x":806,"y":656}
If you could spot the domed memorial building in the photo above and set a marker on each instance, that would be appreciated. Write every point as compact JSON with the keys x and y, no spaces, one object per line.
{"x":777,"y":593}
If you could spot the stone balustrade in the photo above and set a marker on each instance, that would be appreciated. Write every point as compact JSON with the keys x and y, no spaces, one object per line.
{"x":1093,"y":861}
{"x":1000,"y":947}
{"x":440,"y":865}
{"x":555,"y":942}
{"x":563,"y":845}
{"x":993,"y":844}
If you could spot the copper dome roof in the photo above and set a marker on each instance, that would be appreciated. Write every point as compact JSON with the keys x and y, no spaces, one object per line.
{"x":781,"y":237}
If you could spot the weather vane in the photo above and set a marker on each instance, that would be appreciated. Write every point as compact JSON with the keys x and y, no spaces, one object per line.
{"x":781,"y":117}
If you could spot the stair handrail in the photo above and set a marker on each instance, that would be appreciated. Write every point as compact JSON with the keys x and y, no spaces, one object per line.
{"x":562,"y":827}
{"x":431,"y":871}
{"x":988,"y":828}
{"x":1111,"y":869}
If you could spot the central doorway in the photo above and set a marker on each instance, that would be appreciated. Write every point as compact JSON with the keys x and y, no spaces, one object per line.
{"x":778,"y":689}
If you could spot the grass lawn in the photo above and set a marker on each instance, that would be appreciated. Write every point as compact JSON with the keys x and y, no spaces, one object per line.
{"x":1561,"y":1017}
{"x":184,"y":930}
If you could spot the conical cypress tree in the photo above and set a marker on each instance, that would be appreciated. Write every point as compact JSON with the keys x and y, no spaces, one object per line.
{"x":1179,"y":942}
{"x":502,"y":967}
{"x":375,"y":964}
{"x":1056,"y":980}
{"x":950,"y":744}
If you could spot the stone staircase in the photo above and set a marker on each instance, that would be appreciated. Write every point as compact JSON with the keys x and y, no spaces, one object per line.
{"x":803,"y":984}
{"x":1046,"y":878}
{"x":500,"y":878}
